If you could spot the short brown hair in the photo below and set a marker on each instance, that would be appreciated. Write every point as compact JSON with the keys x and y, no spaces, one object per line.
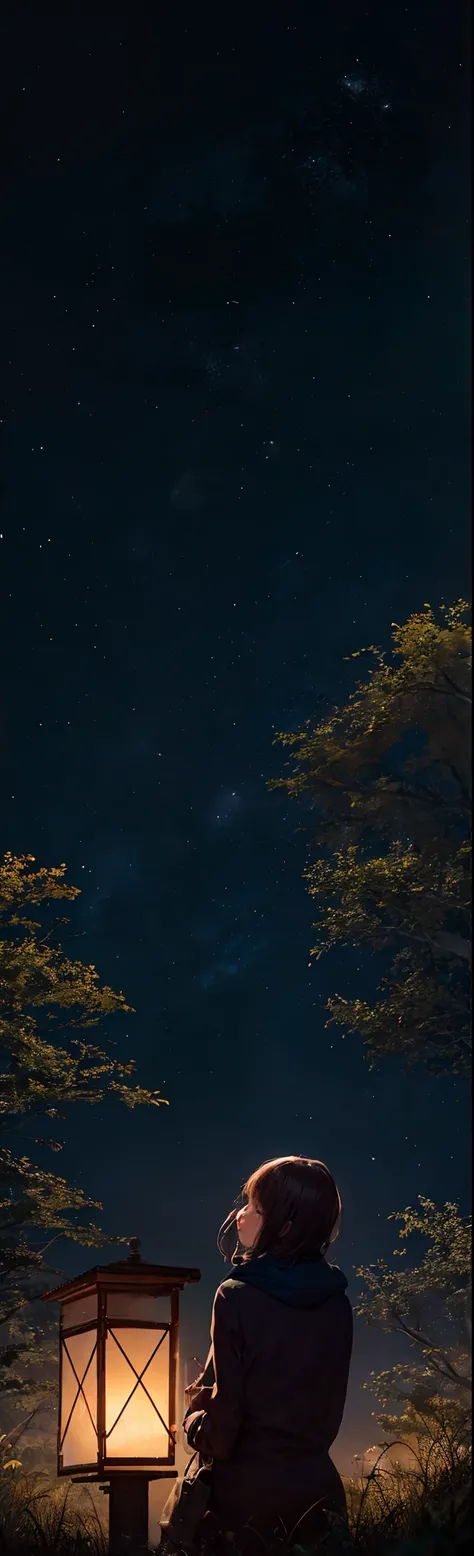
{"x":298,"y":1193}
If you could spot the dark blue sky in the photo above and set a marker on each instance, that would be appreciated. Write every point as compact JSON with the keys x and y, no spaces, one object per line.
{"x":234,"y":289}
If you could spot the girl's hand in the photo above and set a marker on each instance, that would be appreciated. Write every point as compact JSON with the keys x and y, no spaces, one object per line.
{"x":197,"y":1397}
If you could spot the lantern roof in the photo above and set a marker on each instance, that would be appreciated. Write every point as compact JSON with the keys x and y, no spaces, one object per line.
{"x":131,"y":1274}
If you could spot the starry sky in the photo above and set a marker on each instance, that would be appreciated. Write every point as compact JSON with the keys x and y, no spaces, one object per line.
{"x":235,"y":409}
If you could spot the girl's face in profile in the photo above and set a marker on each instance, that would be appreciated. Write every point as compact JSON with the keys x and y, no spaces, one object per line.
{"x":249,"y":1225}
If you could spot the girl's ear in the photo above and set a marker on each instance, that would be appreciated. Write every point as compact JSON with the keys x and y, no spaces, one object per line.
{"x":286,"y":1229}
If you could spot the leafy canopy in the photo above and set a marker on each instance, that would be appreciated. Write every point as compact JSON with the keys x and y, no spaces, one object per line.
{"x":388,"y":780}
{"x":429,"y":1301}
{"x":426,"y":1400}
{"x":48,"y":1005}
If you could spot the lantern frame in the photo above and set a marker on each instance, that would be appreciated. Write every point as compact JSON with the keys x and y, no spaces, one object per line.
{"x":127,"y":1278}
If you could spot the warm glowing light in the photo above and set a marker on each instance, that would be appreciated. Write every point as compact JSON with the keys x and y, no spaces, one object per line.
{"x":78,"y":1430}
{"x":136,"y":1393}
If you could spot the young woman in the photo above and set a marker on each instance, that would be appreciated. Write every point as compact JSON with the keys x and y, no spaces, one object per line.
{"x":270,"y":1401}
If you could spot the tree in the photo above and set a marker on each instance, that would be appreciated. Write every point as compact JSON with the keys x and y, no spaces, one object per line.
{"x":428,"y":1303}
{"x":416,"y":1301}
{"x":48,"y":1005}
{"x":388,"y":777}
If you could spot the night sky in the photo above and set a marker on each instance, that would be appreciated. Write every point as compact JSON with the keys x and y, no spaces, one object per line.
{"x":234,"y":296}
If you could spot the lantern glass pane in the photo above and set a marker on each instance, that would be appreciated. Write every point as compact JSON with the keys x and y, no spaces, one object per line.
{"x":82,"y":1311}
{"x":129,"y":1304}
{"x":79,"y":1399}
{"x":132,"y":1422}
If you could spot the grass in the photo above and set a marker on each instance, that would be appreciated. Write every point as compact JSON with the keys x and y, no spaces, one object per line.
{"x":36,"y":1516}
{"x":420,"y":1509}
{"x":393,"y":1511}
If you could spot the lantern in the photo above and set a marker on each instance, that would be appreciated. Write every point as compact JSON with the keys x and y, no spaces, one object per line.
{"x":119,"y":1355}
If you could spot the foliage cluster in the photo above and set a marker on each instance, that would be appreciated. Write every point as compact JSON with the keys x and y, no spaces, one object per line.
{"x":388,"y":782}
{"x":49,"y":1003}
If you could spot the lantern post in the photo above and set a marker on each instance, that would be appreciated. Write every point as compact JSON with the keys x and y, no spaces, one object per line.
{"x":118,"y":1378}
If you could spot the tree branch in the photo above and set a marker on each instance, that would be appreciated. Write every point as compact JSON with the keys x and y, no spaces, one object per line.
{"x":463,"y":696}
{"x":433,"y":1351}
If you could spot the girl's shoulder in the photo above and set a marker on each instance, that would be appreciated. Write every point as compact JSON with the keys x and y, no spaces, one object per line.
{"x":231,"y":1296}
{"x":230,"y":1288}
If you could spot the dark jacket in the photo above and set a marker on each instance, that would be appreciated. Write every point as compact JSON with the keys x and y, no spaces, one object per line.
{"x":281,"y":1347}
